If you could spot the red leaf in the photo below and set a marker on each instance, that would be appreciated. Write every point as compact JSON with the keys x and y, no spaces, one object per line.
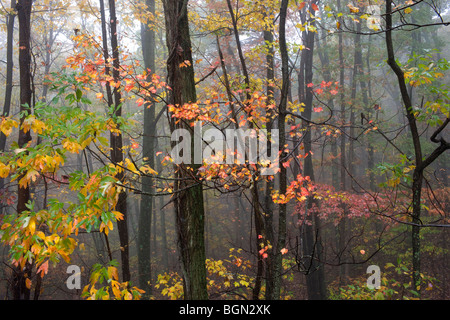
{"x":315,"y":7}
{"x":318,"y":109}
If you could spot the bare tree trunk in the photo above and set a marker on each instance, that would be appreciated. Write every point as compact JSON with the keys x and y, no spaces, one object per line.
{"x":343,"y":174}
{"x":277,"y":257}
{"x":148,"y":152}
{"x":312,"y":248}
{"x":270,"y":183}
{"x":109,"y":96}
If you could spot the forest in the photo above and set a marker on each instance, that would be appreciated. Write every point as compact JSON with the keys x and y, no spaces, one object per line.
{"x":224,"y":150}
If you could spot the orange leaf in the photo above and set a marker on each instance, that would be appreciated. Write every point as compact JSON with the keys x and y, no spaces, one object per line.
{"x":315,"y":7}
{"x":28,"y":283}
{"x":43,"y":269}
{"x":140,"y":102}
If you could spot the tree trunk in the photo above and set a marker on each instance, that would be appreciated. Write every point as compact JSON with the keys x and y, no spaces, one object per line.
{"x":311,"y":236}
{"x":20,"y":291}
{"x":148,"y":153}
{"x":269,"y":183}
{"x":9,"y":73}
{"x":276,"y":256}
{"x":343,"y":174}
{"x":420,"y":163}
{"x":190,"y":215}
{"x":109,"y":97}
{"x":116,"y":147}
{"x":9,"y":81}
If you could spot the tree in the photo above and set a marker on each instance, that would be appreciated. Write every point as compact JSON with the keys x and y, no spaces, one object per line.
{"x":281,"y":241}
{"x":312,"y":238}
{"x":117,"y":145}
{"x":9,"y":71}
{"x":190,"y":216}
{"x":9,"y":76}
{"x":420,"y":162}
{"x":148,"y":153}
{"x":20,"y":288}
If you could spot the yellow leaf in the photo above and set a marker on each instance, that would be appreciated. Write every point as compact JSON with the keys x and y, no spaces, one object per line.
{"x":29,"y":177}
{"x":71,"y":146}
{"x":38,"y":126}
{"x":352,"y":8}
{"x":116,"y":291}
{"x":130,"y":166}
{"x":41,"y":235}
{"x":393,"y":182}
{"x":128,"y":296}
{"x":6,"y":126}
{"x":118,"y":215}
{"x":4,"y":170}
{"x":408,"y":10}
{"x":64,"y":256}
{"x":32,"y":225}
{"x":113,"y":273}
{"x":146,"y":169}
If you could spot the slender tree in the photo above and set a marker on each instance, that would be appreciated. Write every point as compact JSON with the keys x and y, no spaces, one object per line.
{"x":421,"y":162}
{"x":189,"y":207}
{"x":311,"y":235}
{"x":281,"y":241}
{"x":148,"y":153}
{"x":116,"y":146}
{"x":21,"y":291}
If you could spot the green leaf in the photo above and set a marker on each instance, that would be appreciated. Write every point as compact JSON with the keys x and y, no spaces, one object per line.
{"x":379,"y":296}
{"x":79,"y":94}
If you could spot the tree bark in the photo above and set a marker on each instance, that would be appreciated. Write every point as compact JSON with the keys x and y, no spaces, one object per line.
{"x":109,"y":97}
{"x":9,"y":72}
{"x":420,"y":163}
{"x":311,"y":236}
{"x":148,"y":153}
{"x":189,"y":207}
{"x":276,"y":256}
{"x":20,"y":291}
{"x":341,"y":228}
{"x":116,"y":147}
{"x":9,"y":80}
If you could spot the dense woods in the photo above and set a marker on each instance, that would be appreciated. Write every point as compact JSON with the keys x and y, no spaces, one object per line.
{"x":224,"y":150}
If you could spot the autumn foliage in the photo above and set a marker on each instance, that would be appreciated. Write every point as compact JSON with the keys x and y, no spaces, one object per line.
{"x":347,"y":163}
